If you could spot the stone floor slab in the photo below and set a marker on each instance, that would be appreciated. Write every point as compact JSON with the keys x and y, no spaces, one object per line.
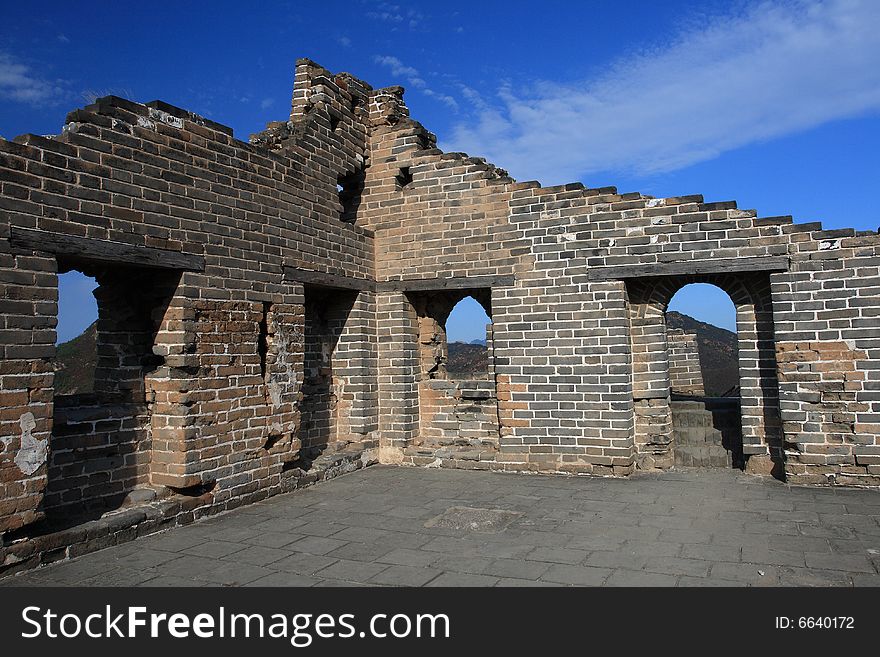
{"x":680,"y":528}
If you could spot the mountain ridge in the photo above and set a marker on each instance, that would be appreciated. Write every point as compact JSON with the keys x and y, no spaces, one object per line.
{"x":75,"y":363}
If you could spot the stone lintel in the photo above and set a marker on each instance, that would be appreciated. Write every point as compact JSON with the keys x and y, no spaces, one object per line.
{"x":324,"y":279}
{"x":690,"y":267}
{"x":449,"y":283}
{"x":118,"y":253}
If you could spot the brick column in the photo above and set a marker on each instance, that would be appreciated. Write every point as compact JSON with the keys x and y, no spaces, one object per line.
{"x":397,"y":328}
{"x":28,"y":306}
{"x":650,"y":366}
{"x":355,"y":360}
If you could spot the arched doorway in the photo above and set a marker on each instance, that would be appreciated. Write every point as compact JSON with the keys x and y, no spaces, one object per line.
{"x":648,"y":301}
{"x":702,"y":356}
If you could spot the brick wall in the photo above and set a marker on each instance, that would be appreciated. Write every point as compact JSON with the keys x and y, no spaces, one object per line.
{"x":338,"y":394}
{"x":577,"y":280}
{"x":29,"y":304}
{"x":219,"y":413}
{"x":827,"y":340}
{"x":459,"y":413}
{"x":685,"y":374}
{"x":99,"y":452}
{"x":580,"y":343}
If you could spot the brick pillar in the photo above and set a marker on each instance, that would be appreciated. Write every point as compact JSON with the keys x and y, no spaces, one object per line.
{"x":650,"y":365}
{"x":356,"y":358}
{"x":170,"y":389}
{"x":339,"y":404}
{"x":397,"y":328}
{"x":219,"y":393}
{"x":759,"y":397}
{"x":29,"y":307}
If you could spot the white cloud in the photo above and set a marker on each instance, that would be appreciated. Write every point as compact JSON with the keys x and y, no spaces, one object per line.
{"x":344,"y":41}
{"x":19,"y":83}
{"x":395,"y":15}
{"x":473,"y":97}
{"x":449,"y":101}
{"x":386,"y":12}
{"x":411,"y":75}
{"x":399,"y":70}
{"x":414,"y":17}
{"x":266,"y":103}
{"x":386,"y":16}
{"x":771,"y":70}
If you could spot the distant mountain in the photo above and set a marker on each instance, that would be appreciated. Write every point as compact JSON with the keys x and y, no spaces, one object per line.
{"x":75,"y":363}
{"x":467,"y":359}
{"x":718,"y":352}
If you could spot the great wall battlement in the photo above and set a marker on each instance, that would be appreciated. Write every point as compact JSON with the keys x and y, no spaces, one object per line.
{"x":272,"y":313}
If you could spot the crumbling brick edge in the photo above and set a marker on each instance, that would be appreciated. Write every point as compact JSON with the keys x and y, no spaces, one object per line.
{"x":126,"y":525}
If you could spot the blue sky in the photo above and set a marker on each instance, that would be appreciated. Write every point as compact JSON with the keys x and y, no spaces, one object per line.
{"x":775,"y":104}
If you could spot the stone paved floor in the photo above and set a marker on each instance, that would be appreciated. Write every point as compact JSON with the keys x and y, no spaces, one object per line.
{"x":385,"y":526}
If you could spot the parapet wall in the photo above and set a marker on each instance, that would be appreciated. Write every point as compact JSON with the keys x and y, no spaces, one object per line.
{"x":208,"y":224}
{"x":579,"y":281}
{"x":285,"y":285}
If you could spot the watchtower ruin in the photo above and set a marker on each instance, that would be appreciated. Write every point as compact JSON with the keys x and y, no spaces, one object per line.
{"x":273,"y":312}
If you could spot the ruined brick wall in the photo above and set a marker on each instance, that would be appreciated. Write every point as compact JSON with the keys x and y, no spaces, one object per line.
{"x":582,"y":279}
{"x":349,"y":193}
{"x":459,"y":216}
{"x":582,"y":366}
{"x":446,"y":217}
{"x":223,"y":409}
{"x":685,"y":374}
{"x":28,"y":307}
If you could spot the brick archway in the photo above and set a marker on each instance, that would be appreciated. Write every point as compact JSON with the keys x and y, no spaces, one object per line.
{"x":648,"y":299}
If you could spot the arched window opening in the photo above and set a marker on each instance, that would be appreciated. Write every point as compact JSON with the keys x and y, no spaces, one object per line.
{"x":467,"y":334}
